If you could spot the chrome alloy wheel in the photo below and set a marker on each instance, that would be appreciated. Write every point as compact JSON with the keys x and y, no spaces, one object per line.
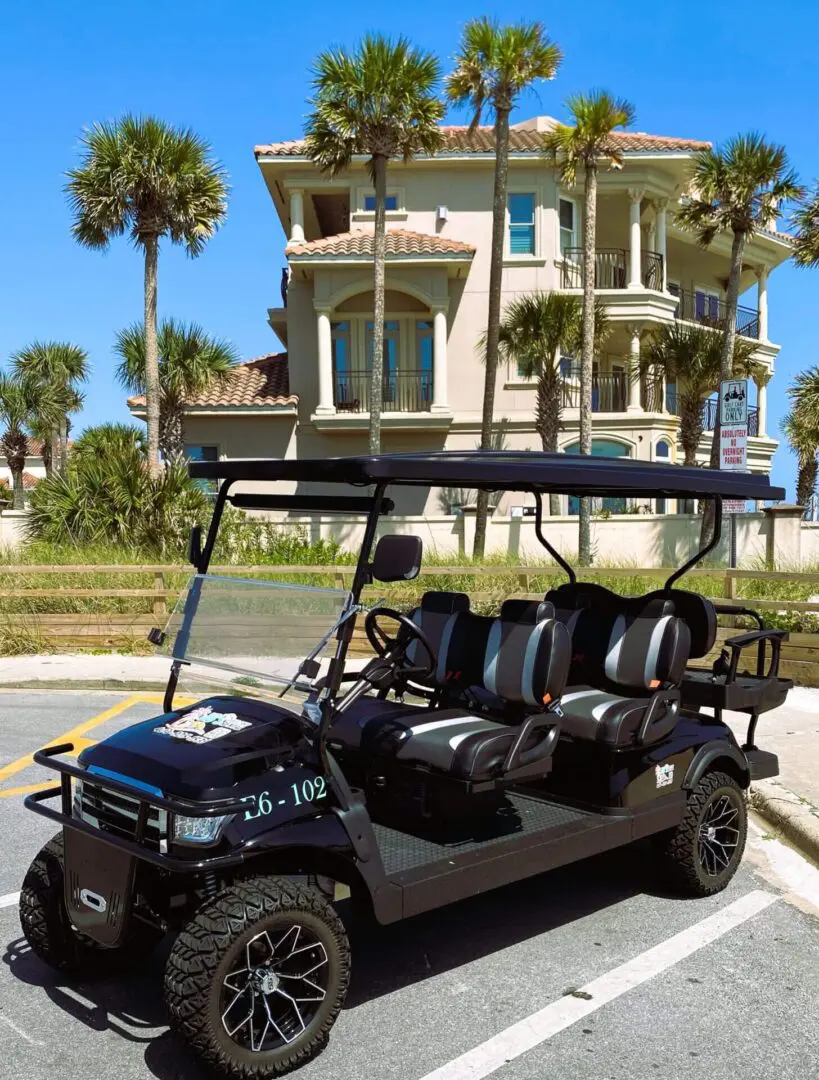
{"x":272,"y":998}
{"x":718,"y":835}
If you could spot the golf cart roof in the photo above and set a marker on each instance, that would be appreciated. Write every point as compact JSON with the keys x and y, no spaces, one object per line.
{"x":505,"y":470}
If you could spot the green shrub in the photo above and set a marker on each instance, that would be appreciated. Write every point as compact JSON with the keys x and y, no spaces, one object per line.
{"x":109,"y":497}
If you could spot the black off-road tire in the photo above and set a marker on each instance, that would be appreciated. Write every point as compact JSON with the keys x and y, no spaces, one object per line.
{"x":211,"y":945}
{"x":685,"y":868}
{"x":47,"y":929}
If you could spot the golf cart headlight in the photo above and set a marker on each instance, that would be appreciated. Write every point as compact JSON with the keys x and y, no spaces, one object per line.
{"x":198,"y":830}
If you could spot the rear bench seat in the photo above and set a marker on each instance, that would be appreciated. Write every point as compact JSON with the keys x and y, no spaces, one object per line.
{"x":628,"y":659}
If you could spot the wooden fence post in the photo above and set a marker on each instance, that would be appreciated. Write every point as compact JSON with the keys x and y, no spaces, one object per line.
{"x":160,"y":604}
{"x":729,"y":590}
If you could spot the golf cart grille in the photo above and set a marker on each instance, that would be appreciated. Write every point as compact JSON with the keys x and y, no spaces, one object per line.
{"x":117,"y":814}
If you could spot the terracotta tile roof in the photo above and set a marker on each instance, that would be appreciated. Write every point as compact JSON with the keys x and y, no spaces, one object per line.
{"x":263,"y":382}
{"x":400,"y":242}
{"x":459,"y":140}
{"x":29,"y":480}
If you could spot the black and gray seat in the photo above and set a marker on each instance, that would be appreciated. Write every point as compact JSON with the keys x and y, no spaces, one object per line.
{"x":628,"y":659}
{"x":526,"y":662}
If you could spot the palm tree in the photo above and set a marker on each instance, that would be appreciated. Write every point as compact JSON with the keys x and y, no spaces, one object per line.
{"x":494,"y":64}
{"x":189,"y":362}
{"x":378,"y":100}
{"x":534,"y":331}
{"x":690,"y":357}
{"x":596,"y":116}
{"x":17,"y":397}
{"x":804,"y":439}
{"x":735,"y":188}
{"x":806,"y":220}
{"x":58,"y":369}
{"x":111,"y":437}
{"x":142,"y":176}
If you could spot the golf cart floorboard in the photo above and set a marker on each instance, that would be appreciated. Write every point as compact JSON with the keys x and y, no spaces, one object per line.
{"x":525,"y":836}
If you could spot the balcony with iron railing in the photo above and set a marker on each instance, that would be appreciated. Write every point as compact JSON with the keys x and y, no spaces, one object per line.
{"x":611,"y":269}
{"x":609,"y":391}
{"x":401,"y":391}
{"x":709,"y":310}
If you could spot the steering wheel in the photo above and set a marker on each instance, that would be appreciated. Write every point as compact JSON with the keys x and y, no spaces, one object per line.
{"x":394,"y":648}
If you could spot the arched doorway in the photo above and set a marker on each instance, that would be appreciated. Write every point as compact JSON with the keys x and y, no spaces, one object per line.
{"x":601,"y":448}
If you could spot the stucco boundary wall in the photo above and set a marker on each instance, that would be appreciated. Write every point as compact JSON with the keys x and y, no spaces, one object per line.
{"x":776,"y":536}
{"x":11,"y":528}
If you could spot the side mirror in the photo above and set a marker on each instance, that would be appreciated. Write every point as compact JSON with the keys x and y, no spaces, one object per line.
{"x":195,"y":546}
{"x":397,"y":558}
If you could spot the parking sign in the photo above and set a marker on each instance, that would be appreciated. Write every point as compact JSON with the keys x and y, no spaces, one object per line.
{"x":734,"y":397}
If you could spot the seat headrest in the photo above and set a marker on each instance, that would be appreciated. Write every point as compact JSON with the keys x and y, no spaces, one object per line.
{"x":526,"y":611}
{"x":697,"y":613}
{"x":444,"y":603}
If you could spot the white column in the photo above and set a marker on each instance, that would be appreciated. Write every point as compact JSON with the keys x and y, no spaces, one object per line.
{"x":439,"y":360}
{"x":762,"y":301}
{"x":296,"y":217}
{"x":634,"y":274}
{"x":662,"y":250}
{"x":762,"y":403}
{"x":634,"y":371}
{"x":325,"y":362}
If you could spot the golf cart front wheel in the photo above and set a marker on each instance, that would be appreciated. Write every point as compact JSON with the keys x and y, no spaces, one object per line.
{"x":257,"y":978}
{"x":703,"y":853}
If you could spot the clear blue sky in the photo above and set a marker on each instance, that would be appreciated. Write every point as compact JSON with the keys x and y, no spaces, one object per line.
{"x":238,"y":73}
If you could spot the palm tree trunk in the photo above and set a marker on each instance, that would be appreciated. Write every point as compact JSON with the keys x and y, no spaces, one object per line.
{"x":726,"y":368}
{"x":18,"y":490}
{"x":547,"y":418}
{"x":151,"y":354}
{"x":379,"y":260}
{"x":494,"y":312}
{"x":54,"y":452}
{"x":171,"y":432}
{"x":806,"y":478}
{"x":63,"y":445}
{"x":587,"y":352}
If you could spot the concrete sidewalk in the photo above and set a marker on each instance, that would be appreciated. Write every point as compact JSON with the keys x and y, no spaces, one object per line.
{"x":790,"y":803}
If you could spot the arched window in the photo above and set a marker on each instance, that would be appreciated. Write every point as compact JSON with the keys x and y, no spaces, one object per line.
{"x":662,"y":452}
{"x":601,"y":448}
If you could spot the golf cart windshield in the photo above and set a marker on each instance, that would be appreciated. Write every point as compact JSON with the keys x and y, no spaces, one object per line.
{"x":256,"y":630}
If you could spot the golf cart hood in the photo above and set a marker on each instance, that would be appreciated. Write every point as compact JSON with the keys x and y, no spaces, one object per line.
{"x":201,"y":751}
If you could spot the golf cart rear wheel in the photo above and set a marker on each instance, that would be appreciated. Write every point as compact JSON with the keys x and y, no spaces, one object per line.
{"x":703,"y":853}
{"x":47,"y":929}
{"x":257,"y":978}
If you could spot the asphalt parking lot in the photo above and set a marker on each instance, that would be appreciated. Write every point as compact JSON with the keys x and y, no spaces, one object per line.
{"x":588,"y":972}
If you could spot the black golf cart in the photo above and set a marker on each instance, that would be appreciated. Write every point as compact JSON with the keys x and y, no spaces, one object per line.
{"x":468,"y":752}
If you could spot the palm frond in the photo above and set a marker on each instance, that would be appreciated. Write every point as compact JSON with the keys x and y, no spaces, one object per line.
{"x":378,"y":99}
{"x":143,"y":177}
{"x":806,"y":222}
{"x":596,"y":115}
{"x":739,"y":186}
{"x":495,"y":63}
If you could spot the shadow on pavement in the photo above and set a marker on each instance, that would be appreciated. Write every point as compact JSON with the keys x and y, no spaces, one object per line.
{"x":385,"y":959}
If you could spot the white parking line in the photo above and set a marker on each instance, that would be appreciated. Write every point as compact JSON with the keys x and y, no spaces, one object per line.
{"x":540,"y":1026}
{"x":10,"y":900}
{"x":19,"y":1031}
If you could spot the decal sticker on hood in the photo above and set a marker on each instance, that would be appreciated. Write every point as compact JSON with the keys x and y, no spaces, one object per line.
{"x":202,"y":725}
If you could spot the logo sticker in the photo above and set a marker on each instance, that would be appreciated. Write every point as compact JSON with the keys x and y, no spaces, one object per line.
{"x":202,"y":725}
{"x":664,"y":775}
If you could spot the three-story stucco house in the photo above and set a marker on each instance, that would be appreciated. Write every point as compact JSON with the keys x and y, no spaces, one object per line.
{"x":314,"y":400}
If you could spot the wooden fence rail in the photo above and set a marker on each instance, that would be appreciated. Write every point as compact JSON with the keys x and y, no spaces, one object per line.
{"x":85,"y":630}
